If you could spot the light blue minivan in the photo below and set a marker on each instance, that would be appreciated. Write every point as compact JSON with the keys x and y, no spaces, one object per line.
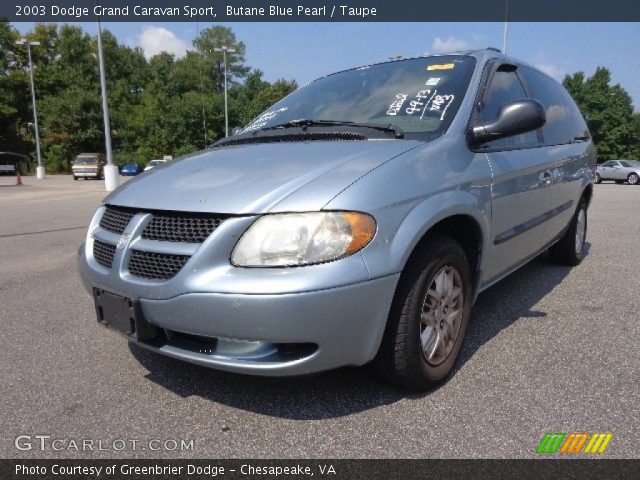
{"x":354,"y":221}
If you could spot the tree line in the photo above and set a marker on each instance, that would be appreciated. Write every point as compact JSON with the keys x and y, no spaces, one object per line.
{"x":172,"y":106}
{"x":608,"y":110}
{"x":158,"y":106}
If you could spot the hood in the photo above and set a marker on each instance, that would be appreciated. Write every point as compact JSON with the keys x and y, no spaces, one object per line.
{"x":258,"y":178}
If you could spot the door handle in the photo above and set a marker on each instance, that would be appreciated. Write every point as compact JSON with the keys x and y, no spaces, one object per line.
{"x":545,"y":178}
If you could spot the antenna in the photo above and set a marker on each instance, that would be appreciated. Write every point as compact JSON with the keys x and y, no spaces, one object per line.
{"x":506,"y":27}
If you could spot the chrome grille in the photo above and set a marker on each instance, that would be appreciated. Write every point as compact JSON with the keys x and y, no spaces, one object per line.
{"x":103,"y":253}
{"x":181,"y":227}
{"x":159,"y":266}
{"x":116,"y":219}
{"x":167,"y":226}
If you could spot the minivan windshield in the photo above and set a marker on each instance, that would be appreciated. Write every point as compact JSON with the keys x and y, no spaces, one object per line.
{"x":419,"y":96}
{"x":86,"y":161}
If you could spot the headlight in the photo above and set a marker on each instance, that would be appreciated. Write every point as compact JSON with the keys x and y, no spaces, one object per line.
{"x":292,"y":239}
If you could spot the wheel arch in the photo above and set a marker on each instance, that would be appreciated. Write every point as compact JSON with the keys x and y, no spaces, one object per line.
{"x":587,"y":193}
{"x":460,"y":216}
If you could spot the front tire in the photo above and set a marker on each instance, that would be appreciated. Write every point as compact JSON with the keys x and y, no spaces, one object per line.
{"x":428,"y":317}
{"x":75,"y":178}
{"x":571,"y":247}
{"x":598,"y":178}
{"x":633,"y":179}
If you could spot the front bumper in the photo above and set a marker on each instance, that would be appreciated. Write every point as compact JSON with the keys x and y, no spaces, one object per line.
{"x":86,"y":174}
{"x":341,"y":325}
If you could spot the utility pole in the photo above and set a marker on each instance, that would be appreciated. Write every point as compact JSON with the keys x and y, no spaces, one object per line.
{"x":40,"y":167}
{"x":111,"y":177}
{"x":224,"y":49}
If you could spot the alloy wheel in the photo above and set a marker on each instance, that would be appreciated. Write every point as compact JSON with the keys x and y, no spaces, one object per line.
{"x":441,"y":316}
{"x":581,"y":231}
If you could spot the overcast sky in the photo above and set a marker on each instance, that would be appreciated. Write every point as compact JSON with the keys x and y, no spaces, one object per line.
{"x":305,"y":51}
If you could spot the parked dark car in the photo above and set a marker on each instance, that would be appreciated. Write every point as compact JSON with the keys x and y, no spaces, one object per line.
{"x":130,"y":170}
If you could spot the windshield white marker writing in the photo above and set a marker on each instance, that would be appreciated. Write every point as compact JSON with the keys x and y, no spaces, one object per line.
{"x":439,"y":101}
{"x":428,"y":101}
{"x":395,"y":107}
{"x":416,"y":105}
{"x":262,"y":120}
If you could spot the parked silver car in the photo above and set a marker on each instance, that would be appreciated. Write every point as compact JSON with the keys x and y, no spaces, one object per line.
{"x":354,"y":221}
{"x":620,"y":171}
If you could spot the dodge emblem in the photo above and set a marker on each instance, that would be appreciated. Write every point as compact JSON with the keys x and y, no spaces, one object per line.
{"x":124,"y":241}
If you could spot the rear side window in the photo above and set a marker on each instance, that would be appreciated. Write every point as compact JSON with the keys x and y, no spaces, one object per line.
{"x":629,"y":163}
{"x":564,"y":121}
{"x":505,"y":87}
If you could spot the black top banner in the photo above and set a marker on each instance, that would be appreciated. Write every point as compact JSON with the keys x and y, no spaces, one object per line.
{"x":320,"y":10}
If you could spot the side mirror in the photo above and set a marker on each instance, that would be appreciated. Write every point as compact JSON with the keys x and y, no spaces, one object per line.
{"x":514,"y":118}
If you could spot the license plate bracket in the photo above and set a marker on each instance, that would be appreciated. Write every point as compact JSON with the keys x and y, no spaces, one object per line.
{"x":122,"y":314}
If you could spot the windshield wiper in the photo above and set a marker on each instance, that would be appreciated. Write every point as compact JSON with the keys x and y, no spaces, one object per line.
{"x":303,"y":122}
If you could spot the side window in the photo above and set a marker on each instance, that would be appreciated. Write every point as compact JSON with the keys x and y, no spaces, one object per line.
{"x":579,"y":126}
{"x":505,"y":87}
{"x":607,"y":164}
{"x":564,"y":121}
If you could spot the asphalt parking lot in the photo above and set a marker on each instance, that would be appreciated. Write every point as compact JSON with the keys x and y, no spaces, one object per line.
{"x":549,"y":349}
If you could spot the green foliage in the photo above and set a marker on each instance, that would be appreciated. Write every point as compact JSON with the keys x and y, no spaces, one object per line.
{"x":609,"y":113}
{"x":158,"y":106}
{"x":169,"y":106}
{"x":205,"y":45}
{"x":270,"y":95}
{"x":255,"y":96}
{"x":635,"y":153}
{"x":14,"y":93}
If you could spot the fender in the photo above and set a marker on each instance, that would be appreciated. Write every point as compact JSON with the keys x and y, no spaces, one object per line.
{"x":394,"y":245}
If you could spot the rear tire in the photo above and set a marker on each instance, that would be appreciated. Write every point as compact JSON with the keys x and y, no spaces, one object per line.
{"x":570,"y":248}
{"x":633,"y":179}
{"x":428,"y":317}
